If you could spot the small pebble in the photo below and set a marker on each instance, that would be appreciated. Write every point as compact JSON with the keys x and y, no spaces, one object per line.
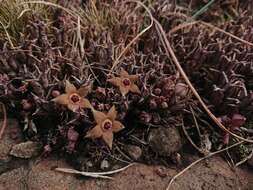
{"x":104,"y":164}
{"x":134,"y":152}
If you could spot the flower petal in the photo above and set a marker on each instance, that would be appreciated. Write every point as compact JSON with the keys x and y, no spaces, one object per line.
{"x":94,"y":133}
{"x":99,"y":116}
{"x":124,"y":89}
{"x":84,"y":90}
{"x":123,"y":73}
{"x":115,"y":81}
{"x":85,"y":103}
{"x":133,"y":78}
{"x":135,"y":89}
{"x":69,"y":88}
{"x":62,"y":99}
{"x":117,"y":126}
{"x":112,"y":114}
{"x":73,"y":107}
{"x":108,"y":138}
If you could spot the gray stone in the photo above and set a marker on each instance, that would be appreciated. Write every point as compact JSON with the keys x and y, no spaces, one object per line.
{"x":12,"y":135}
{"x":84,"y":163}
{"x":89,"y":164}
{"x":165,"y":140}
{"x":26,"y":149}
{"x":134,"y":152}
{"x":104,"y":164}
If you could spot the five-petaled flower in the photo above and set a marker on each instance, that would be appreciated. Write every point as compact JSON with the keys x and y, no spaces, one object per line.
{"x":125,"y":82}
{"x":74,"y":98}
{"x":106,"y":125}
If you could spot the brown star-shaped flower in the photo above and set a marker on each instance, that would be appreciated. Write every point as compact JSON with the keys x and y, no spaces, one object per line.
{"x":106,"y":126}
{"x":125,"y":82}
{"x":73,"y":98}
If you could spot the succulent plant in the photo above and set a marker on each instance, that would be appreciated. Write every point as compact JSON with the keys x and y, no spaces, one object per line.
{"x":216,"y":66}
{"x":148,"y":89}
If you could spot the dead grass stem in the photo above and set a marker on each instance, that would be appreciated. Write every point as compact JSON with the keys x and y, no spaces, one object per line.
{"x":116,"y":62}
{"x":102,"y":175}
{"x":4,"y":125}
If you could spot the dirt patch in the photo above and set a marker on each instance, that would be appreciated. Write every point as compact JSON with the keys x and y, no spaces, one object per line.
{"x":14,"y":179}
{"x":42,"y":174}
{"x":211,"y":174}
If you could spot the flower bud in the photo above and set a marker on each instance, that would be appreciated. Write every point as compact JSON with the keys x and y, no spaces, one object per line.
{"x":157,"y":91}
{"x":145,"y":117}
{"x":47,"y":148}
{"x":72,"y":135}
{"x":26,"y":105}
{"x":168,"y":90}
{"x":156,"y":118}
{"x":55,"y":93}
{"x":181,"y":90}
{"x":100,"y":107}
{"x":107,"y":106}
{"x":237,"y":120}
{"x":164,"y":105}
{"x":22,"y":89}
{"x":152,"y":104}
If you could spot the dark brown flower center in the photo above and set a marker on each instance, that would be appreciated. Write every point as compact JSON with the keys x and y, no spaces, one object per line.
{"x":75,"y":98}
{"x":126,"y":82}
{"x":107,"y":124}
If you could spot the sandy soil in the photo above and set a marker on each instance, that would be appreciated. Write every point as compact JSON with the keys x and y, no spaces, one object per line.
{"x":39,"y":173}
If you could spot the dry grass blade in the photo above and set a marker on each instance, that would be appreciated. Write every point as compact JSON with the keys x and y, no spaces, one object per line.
{"x":87,"y":174}
{"x":199,"y":160}
{"x":102,"y":175}
{"x":170,"y":53}
{"x":191,"y":141}
{"x":81,"y":45}
{"x":195,"y":121}
{"x":136,"y":37}
{"x":4,"y":125}
{"x":7,"y":34}
{"x":193,"y":22}
{"x":14,"y":16}
{"x":203,"y":9}
{"x":227,"y":33}
{"x":182,"y":26}
{"x":51,"y":4}
{"x":245,"y":159}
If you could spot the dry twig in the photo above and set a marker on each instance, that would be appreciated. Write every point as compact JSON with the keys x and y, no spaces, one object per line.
{"x":4,"y":125}
{"x":191,"y":141}
{"x":102,"y":175}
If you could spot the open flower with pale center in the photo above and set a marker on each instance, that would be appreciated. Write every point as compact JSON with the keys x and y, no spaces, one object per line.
{"x":106,"y":125}
{"x":125,"y":82}
{"x":74,"y":98}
